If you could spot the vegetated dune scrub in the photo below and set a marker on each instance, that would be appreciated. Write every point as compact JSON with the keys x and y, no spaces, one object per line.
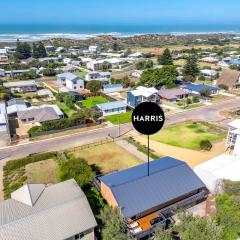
{"x":190,"y":134}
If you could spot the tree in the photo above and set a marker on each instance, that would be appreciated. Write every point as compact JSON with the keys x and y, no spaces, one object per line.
{"x":196,"y":228}
{"x":69,"y":101}
{"x":165,"y":58}
{"x":23,"y":50}
{"x":165,"y":76}
{"x":94,"y":86}
{"x":161,"y":234}
{"x":78,"y":169}
{"x":115,"y":47}
{"x":228,"y":216}
{"x":191,"y":67}
{"x":125,"y":81}
{"x":114,"y":225}
{"x":49,"y":72}
{"x":205,"y":93}
{"x":201,"y":78}
{"x":39,"y":50}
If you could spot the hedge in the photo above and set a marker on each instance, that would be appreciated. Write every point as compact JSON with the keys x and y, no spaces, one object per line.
{"x":18,"y":163}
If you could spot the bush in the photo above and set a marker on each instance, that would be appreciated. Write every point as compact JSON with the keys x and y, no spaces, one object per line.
{"x":205,"y":145}
{"x":223,"y":86}
{"x":195,"y":99}
{"x":15,"y":164}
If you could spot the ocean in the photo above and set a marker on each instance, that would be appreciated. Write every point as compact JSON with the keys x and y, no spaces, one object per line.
{"x":35,"y":32}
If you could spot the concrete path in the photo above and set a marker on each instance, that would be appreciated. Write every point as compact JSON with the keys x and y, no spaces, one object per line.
{"x":132,"y":149}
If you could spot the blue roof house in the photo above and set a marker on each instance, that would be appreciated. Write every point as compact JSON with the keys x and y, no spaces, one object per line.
{"x":197,"y":88}
{"x":145,"y":200}
{"x":111,"y":108}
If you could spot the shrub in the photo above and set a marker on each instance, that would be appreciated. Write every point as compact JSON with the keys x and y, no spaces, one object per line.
{"x":205,"y":145}
{"x":195,"y":99}
{"x":223,"y":86}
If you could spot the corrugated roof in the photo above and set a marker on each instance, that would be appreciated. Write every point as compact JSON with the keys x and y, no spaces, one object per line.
{"x":19,"y":84}
{"x":200,"y":87}
{"x":61,"y":211}
{"x":111,"y":105}
{"x":135,"y":192}
{"x":172,"y":93}
{"x":117,"y":85}
{"x":229,"y":78}
{"x":68,"y":75}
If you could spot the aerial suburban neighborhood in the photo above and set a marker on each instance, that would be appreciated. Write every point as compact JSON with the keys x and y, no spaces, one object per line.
{"x":74,"y":164}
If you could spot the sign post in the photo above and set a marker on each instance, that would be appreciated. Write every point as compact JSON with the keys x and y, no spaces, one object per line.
{"x":148,"y":118}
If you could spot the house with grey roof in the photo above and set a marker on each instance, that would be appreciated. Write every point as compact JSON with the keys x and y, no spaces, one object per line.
{"x":16,"y":105}
{"x":56,"y":212}
{"x":21,"y":86}
{"x":70,"y":81}
{"x":98,"y":76}
{"x":111,"y":108}
{"x":40,"y":114}
{"x":174,"y":94}
{"x":146,"y":201}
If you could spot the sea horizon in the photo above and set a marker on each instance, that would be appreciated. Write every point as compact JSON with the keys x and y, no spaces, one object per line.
{"x":37,"y":32}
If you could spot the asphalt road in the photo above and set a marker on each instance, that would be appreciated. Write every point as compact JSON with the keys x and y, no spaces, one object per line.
{"x":207,"y":113}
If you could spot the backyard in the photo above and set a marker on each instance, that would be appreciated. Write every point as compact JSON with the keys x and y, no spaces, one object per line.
{"x":80,"y":73}
{"x":93,"y":101}
{"x":68,"y":111}
{"x":189,"y":134}
{"x":42,"y":172}
{"x":107,"y":157}
{"x":120,"y":118}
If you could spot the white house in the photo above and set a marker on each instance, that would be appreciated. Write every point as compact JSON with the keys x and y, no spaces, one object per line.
{"x":95,"y":65}
{"x":109,"y":88}
{"x":70,"y":81}
{"x":208,"y":72}
{"x":111,"y":108}
{"x":57,"y":212}
{"x":3,"y":117}
{"x":3,"y":52}
{"x":136,"y":55}
{"x":137,"y":73}
{"x":99,"y":76}
{"x":94,"y":49}
{"x":233,"y":138}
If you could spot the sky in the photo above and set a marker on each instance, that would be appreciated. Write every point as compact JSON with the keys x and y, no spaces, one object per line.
{"x":119,"y":11}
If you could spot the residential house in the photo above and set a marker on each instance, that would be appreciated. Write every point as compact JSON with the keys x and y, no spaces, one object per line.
{"x":146,"y":201}
{"x":94,"y":49}
{"x":96,"y":65}
{"x":99,"y":76}
{"x":111,"y":108}
{"x":137,"y":73}
{"x":174,"y":94}
{"x":21,"y":86}
{"x":3,"y":60}
{"x":16,"y":105}
{"x":70,"y":81}
{"x":136,"y":55}
{"x":214,"y":171}
{"x":40,"y":114}
{"x":50,"y":48}
{"x":229,"y":78}
{"x":57,"y":212}
{"x":233,"y":138}
{"x":196,"y":89}
{"x":142,"y":94}
{"x":3,"y":117}
{"x":3,"y":52}
{"x":51,"y":59}
{"x":209,"y":60}
{"x":15,"y":73}
{"x":209,"y":73}
{"x":2,"y":72}
{"x":109,"y":88}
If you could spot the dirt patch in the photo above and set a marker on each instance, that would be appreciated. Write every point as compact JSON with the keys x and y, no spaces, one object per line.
{"x":191,"y":157}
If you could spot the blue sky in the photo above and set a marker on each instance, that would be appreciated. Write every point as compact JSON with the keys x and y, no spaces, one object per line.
{"x":120,"y":11}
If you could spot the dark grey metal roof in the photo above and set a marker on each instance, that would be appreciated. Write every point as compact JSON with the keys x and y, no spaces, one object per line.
{"x":135,"y":192}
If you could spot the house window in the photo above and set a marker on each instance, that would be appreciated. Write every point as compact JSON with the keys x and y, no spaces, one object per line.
{"x":79,"y":236}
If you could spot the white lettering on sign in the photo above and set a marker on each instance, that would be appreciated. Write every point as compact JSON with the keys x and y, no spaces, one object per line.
{"x":148,"y":118}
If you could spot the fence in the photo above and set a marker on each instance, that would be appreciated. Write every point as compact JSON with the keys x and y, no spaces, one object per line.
{"x":90,"y":145}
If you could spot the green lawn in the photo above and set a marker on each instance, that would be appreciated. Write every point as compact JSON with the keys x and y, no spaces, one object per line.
{"x":120,"y":118}
{"x":68,"y":111}
{"x":195,"y":105}
{"x":189,"y":135}
{"x":80,"y":73}
{"x":93,"y":101}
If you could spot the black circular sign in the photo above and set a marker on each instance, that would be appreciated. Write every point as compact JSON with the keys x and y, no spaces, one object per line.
{"x":148,"y":118}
